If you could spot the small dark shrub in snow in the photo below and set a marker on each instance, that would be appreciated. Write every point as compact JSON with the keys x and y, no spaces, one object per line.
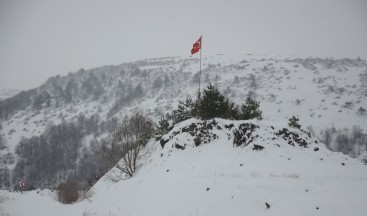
{"x":68,"y":192}
{"x":244,"y":134}
{"x":197,"y":141}
{"x":291,"y":137}
{"x":178,"y":146}
{"x":163,"y":142}
{"x":293,"y":122}
{"x":257,"y":147}
{"x":267,"y":205}
{"x":162,"y":129}
{"x":316,"y":149}
{"x":230,"y":126}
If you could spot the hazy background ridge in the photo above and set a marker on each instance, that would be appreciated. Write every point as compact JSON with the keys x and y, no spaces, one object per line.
{"x":43,"y":38}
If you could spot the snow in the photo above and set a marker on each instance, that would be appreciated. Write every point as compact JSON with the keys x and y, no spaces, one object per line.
{"x":218,"y":178}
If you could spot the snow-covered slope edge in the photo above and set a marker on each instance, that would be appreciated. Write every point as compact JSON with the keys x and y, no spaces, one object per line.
{"x":223,"y":175}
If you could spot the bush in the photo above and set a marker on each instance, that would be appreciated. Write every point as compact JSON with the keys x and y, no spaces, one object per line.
{"x":293,"y":122}
{"x":162,"y":129}
{"x":68,"y":192}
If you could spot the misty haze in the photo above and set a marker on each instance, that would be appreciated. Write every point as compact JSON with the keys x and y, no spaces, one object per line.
{"x":183,"y":107}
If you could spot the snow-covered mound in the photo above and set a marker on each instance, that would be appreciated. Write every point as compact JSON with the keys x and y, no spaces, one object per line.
{"x":222,"y":167}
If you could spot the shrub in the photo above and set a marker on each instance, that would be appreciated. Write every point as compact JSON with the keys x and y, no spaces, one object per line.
{"x":162,"y":129}
{"x":293,"y":122}
{"x":68,"y":192}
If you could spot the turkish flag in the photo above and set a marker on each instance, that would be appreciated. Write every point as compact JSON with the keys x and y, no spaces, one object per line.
{"x":196,"y":47}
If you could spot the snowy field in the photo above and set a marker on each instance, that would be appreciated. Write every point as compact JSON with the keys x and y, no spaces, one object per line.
{"x":219,"y":178}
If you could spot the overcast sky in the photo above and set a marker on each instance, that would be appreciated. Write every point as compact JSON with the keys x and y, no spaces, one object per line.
{"x":42,"y":38}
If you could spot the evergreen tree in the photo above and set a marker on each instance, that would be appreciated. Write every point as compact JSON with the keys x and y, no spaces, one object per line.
{"x":250,"y":110}
{"x":233,"y":112}
{"x":185,"y":110}
{"x":212,"y":104}
{"x":163,"y":128}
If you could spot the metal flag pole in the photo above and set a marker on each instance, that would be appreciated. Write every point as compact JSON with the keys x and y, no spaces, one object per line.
{"x":201,"y":48}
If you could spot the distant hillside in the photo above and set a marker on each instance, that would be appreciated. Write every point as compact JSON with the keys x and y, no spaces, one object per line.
{"x":78,"y":112}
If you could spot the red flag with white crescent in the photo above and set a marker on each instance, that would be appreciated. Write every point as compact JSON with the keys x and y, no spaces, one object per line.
{"x":196,"y":46}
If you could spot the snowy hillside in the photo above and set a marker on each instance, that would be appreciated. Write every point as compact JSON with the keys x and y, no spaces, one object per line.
{"x":328,"y":96}
{"x":222,"y":173}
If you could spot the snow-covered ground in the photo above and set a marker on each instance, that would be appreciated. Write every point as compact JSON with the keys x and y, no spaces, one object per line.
{"x":220,"y":178}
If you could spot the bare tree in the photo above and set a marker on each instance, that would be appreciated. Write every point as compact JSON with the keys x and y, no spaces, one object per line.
{"x":133,"y":134}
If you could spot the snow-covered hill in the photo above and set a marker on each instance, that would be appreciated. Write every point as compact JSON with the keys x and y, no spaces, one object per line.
{"x":322,"y":92}
{"x":221,"y":174}
{"x":328,"y":96}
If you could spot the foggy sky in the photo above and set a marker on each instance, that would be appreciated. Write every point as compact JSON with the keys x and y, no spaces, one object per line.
{"x":42,"y":38}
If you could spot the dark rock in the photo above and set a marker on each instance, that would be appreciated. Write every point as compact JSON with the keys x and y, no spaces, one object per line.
{"x":316,"y":149}
{"x":207,"y":189}
{"x":343,"y":164}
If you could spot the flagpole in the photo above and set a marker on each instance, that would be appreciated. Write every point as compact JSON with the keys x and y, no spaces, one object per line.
{"x":201,"y":48}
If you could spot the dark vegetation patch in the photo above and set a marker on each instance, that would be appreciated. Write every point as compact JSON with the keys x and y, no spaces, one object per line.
{"x":257,"y":147}
{"x":243,"y":136}
{"x":291,"y":137}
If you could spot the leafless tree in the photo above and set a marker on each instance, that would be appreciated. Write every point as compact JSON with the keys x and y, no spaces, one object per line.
{"x":133,"y":135}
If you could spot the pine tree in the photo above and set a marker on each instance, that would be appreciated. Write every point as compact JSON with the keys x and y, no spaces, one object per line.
{"x":212,"y":104}
{"x":185,"y":110}
{"x":163,"y":128}
{"x":233,"y":112}
{"x":250,"y":110}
